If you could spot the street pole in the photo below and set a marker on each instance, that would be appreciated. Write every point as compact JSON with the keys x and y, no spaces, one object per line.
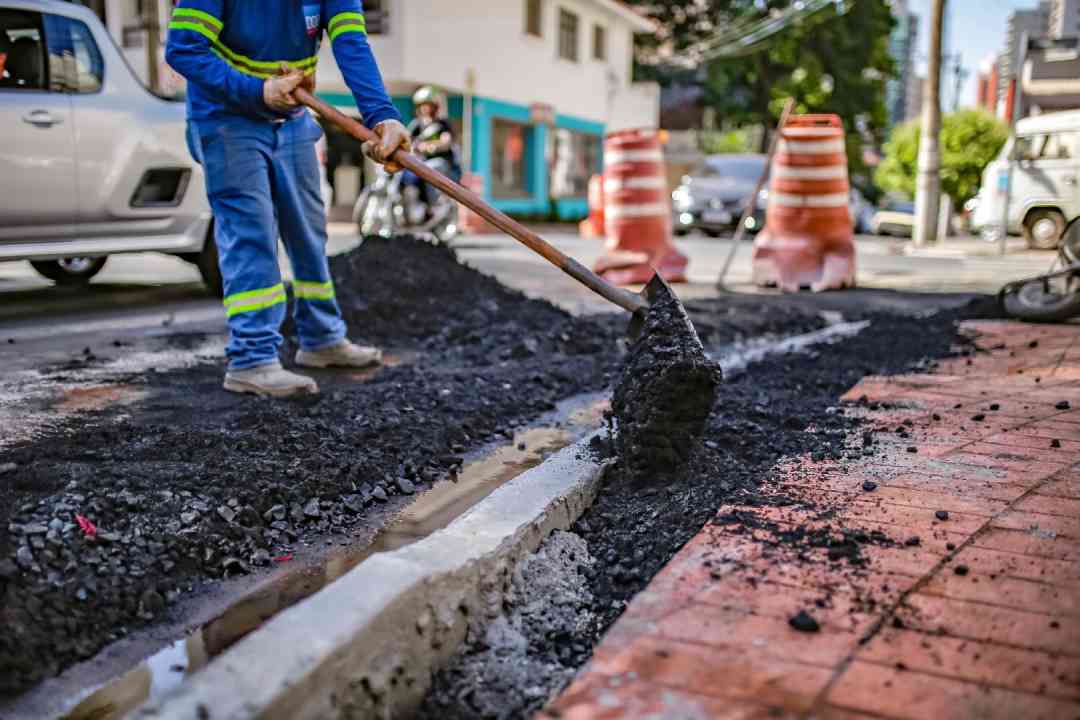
{"x":151,"y":8}
{"x":928,"y":179}
{"x":1005,"y":184}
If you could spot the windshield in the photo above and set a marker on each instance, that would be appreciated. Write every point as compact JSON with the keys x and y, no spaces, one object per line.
{"x":901,"y":207}
{"x":746,"y":169}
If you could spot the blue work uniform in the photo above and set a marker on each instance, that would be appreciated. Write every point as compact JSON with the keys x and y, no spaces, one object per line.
{"x":262,"y":172}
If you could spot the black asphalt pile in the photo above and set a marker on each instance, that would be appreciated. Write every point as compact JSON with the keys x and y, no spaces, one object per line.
{"x":782,"y":407}
{"x":665,"y":391}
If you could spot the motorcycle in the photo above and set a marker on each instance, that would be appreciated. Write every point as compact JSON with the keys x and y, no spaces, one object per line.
{"x":388,"y":207}
{"x":1055,"y":296}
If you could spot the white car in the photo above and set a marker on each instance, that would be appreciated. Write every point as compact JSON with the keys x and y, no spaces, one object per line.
{"x":93,"y":163}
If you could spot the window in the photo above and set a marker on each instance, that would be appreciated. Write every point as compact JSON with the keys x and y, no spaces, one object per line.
{"x":599,"y":42}
{"x":534,"y":17}
{"x":75,"y":64}
{"x":1058,"y":147}
{"x":509,"y":151}
{"x":377,"y":17}
{"x":22,"y":51}
{"x":568,"y":35}
{"x":576,"y":159}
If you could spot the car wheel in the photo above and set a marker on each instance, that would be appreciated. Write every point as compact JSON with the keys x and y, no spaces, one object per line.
{"x":1043,"y":228}
{"x":207,"y":262}
{"x":70,"y":271}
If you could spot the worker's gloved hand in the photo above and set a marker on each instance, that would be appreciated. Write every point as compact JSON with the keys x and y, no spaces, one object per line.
{"x":277,"y":91}
{"x":392,"y":136}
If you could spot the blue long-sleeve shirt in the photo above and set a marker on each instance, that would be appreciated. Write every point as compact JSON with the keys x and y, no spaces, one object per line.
{"x":227,"y":48}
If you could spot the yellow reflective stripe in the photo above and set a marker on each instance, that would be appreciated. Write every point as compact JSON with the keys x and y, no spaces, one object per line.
{"x":272,"y":69}
{"x":204,"y":16}
{"x":253,"y":300}
{"x":195,"y":27}
{"x":313,"y":290}
{"x":272,"y":65}
{"x":346,"y":22}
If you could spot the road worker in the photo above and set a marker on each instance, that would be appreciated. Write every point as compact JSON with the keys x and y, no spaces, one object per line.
{"x":242,"y":60}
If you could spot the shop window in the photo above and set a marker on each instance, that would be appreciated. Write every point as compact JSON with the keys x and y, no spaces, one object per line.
{"x":22,"y":52}
{"x":576,"y":158}
{"x":568,"y":35}
{"x":509,"y":155}
{"x":599,"y":42}
{"x":534,"y":17}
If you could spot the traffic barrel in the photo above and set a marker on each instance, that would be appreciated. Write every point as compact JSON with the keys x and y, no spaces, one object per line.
{"x":637,"y":212}
{"x":593,"y":226}
{"x":469,"y":222}
{"x":808,"y":239}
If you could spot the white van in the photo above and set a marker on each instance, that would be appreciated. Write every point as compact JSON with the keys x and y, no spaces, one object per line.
{"x":1044,"y":195}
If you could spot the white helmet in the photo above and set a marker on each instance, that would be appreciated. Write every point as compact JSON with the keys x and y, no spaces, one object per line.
{"x":429,"y":94}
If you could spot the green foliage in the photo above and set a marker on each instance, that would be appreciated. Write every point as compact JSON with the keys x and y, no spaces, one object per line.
{"x":970,"y":140}
{"x":835,"y":61}
{"x":733,"y":141}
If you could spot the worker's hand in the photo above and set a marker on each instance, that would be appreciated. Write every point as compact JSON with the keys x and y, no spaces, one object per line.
{"x":392,"y":137}
{"x":277,"y":91}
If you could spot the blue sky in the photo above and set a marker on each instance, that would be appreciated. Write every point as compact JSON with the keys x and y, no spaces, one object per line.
{"x":978,"y":29}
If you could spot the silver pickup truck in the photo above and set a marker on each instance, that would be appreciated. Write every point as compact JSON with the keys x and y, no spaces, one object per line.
{"x":91,"y":162}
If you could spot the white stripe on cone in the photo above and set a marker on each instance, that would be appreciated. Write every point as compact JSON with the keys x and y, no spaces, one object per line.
{"x":637,"y":183}
{"x":618,"y":156}
{"x":813,"y":201}
{"x":829,"y":172}
{"x":616,"y":212}
{"x":820,"y":147}
{"x":826,"y":132}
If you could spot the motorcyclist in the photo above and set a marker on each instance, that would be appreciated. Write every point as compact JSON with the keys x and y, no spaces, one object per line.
{"x":433,"y":140}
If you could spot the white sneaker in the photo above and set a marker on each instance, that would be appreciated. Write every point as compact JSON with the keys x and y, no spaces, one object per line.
{"x":343,"y":355}
{"x":272,"y":380}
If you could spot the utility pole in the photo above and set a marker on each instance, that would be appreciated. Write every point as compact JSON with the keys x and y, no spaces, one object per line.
{"x":928,"y":178}
{"x":153,"y":43}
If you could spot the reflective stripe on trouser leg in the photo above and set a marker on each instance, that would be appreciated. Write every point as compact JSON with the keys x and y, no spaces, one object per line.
{"x":302,"y":217}
{"x":236,"y":157}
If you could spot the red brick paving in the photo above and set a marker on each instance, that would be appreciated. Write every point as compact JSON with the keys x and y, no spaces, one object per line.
{"x":979,"y":619}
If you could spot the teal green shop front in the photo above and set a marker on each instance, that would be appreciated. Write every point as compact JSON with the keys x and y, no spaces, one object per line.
{"x":529,"y":169}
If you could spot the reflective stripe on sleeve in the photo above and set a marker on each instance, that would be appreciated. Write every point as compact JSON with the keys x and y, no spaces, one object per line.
{"x":313,"y":290}
{"x":346,"y":22}
{"x":197,"y":21}
{"x":254,"y":300}
{"x":262,"y":68}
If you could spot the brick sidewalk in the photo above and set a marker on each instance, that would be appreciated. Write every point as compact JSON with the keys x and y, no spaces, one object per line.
{"x":941,"y":565}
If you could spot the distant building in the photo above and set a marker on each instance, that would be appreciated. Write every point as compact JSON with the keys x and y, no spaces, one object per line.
{"x":915,"y":95}
{"x":1050,"y":78}
{"x":1034,"y":23}
{"x":1064,"y":20}
{"x":902,"y":45}
{"x":987,"y":85}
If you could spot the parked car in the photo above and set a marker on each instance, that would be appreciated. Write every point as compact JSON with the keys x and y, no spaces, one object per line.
{"x":93,"y":163}
{"x":712,"y":197}
{"x":1044,"y":192}
{"x":862,"y":212}
{"x":896,"y":217}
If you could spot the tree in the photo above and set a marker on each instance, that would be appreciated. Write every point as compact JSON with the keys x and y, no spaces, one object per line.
{"x":835,"y":61}
{"x":970,"y":140}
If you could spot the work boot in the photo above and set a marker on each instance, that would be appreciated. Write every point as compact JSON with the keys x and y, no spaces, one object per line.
{"x":343,"y":355}
{"x":272,"y":380}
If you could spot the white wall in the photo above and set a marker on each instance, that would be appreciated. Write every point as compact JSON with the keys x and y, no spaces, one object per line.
{"x":434,"y":41}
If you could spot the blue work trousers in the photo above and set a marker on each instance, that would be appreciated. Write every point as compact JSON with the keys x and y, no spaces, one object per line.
{"x":262,"y":179}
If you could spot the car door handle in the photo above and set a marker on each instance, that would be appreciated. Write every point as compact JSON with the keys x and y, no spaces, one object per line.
{"x":41,"y":118}
{"x":1069,"y":180}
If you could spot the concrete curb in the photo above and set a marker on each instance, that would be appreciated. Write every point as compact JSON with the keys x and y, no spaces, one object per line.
{"x":366,"y":646}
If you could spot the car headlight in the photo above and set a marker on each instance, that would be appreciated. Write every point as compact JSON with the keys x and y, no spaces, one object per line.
{"x":681,"y":199}
{"x":763,"y":197}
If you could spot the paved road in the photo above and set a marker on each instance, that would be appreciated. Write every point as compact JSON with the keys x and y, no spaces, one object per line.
{"x":142,"y":296}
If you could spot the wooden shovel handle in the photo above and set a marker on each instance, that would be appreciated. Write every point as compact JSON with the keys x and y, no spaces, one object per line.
{"x":623,"y":298}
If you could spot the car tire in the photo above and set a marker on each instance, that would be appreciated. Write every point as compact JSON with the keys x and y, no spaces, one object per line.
{"x":1043,"y":228}
{"x":72,"y":271}
{"x":207,"y":262}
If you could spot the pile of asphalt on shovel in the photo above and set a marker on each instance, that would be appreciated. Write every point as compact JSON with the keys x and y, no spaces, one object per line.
{"x":112,"y":525}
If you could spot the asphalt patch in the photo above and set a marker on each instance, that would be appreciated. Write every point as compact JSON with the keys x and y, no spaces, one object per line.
{"x":193,"y":485}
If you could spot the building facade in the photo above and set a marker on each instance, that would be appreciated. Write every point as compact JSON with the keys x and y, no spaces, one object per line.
{"x":902,"y":46}
{"x":533,"y":87}
{"x":1064,"y":19}
{"x":1034,"y":23}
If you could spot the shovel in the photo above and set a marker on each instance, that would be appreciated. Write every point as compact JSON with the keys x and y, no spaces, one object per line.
{"x":636,"y":304}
